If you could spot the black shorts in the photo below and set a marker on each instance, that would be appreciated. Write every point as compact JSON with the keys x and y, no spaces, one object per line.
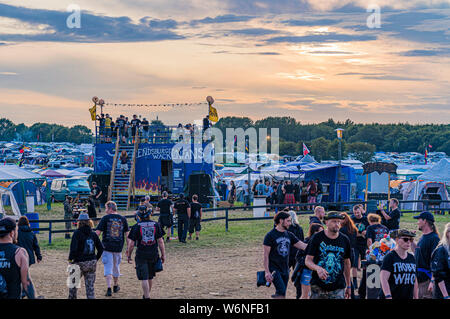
{"x":165,"y":220}
{"x":145,"y":269}
{"x":359,"y":253}
{"x":194,"y":224}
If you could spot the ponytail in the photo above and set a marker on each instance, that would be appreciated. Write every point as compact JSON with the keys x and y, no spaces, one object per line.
{"x":433,"y":227}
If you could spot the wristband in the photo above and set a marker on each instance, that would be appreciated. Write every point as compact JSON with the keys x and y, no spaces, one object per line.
{"x":388,"y":296}
{"x":447,"y":297}
{"x":349,"y":287}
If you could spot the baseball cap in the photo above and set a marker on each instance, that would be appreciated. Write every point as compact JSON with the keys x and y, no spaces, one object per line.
{"x":83,"y":216}
{"x":425,"y":215}
{"x":142,"y":212}
{"x":7,"y":225}
{"x":333,"y":215}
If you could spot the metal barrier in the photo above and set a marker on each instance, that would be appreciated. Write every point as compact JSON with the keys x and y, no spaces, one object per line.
{"x":274,"y":210}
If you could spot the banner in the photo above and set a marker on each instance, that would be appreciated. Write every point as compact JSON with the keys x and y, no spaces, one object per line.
{"x":93,"y":111}
{"x":213,"y":117}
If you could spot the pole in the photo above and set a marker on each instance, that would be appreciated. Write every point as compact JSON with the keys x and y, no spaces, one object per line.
{"x":366,"y":191}
{"x":389,"y":186}
{"x":339,"y":171}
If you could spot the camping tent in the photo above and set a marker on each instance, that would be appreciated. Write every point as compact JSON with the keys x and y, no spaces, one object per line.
{"x":7,"y":194}
{"x":415,"y":190}
{"x":51,"y":173}
{"x":439,"y":172}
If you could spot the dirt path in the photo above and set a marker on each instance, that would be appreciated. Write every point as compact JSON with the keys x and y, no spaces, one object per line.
{"x":191,"y":273}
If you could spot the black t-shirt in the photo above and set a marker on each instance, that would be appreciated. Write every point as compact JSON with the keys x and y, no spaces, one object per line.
{"x":195,"y":210}
{"x":330,"y":255}
{"x":181,"y":206}
{"x":120,"y":123}
{"x":145,"y":125}
{"x":146,"y":235}
{"x":135,"y":123}
{"x":376,"y":232}
{"x":352,"y":237}
{"x":280,"y":244}
{"x":96,"y":190}
{"x":394,"y":222}
{"x":362,"y":224}
{"x":164,"y":207}
{"x":289,"y":189}
{"x":314,"y":220}
{"x":297,"y":230}
{"x":114,"y":227}
{"x":425,"y":248}
{"x":102,"y":122}
{"x":403,"y":275}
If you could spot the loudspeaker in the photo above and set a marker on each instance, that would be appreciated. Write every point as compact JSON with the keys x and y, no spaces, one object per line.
{"x":200,"y":184}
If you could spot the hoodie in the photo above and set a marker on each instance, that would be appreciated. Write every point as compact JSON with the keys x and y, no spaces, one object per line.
{"x":27,"y":239}
{"x":84,"y":243}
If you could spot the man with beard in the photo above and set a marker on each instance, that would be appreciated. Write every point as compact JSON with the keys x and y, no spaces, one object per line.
{"x":422,"y":252}
{"x":328,"y":255}
{"x":277,"y":244}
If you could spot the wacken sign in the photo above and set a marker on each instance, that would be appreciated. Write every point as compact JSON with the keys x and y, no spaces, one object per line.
{"x":380,"y":167}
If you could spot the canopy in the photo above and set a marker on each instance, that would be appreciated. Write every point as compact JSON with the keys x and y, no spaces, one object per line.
{"x":15,"y":173}
{"x":51,"y":173}
{"x":440,"y":172}
{"x":15,"y":208}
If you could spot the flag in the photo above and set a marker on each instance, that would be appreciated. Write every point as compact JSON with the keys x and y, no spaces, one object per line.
{"x":93,"y":111}
{"x":305,"y":150}
{"x":426,"y":155}
{"x":213,"y":117}
{"x":429,"y":145}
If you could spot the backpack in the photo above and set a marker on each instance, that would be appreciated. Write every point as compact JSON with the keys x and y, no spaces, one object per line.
{"x":3,"y":288}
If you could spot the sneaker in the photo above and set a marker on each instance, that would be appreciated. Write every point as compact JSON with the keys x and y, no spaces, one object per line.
{"x":196,"y":238}
{"x":108,"y":292}
{"x":116,"y":289}
{"x":167,"y":239}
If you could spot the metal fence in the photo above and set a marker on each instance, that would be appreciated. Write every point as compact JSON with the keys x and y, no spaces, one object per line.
{"x":272,"y":210}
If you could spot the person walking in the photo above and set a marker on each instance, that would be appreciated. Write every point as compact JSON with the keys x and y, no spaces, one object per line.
{"x":361,"y":223}
{"x":440,"y":266}
{"x":28,"y":240}
{"x":398,"y":271}
{"x":245,"y":188}
{"x":147,"y":236}
{"x":196,"y":218}
{"x":391,"y":219}
{"x":288,"y":190}
{"x":148,"y":204}
{"x":13,"y":262}
{"x":349,"y":229}
{"x":83,"y":247}
{"x":96,"y":192}
{"x":303,"y":195}
{"x":328,"y":256}
{"x":297,"y":230}
{"x":232,"y":194}
{"x":114,"y":230}
{"x":312,"y":193}
{"x":92,"y":212}
{"x":422,"y":252}
{"x":124,"y":162}
{"x":165,"y":208}
{"x":302,"y":274}
{"x":183,"y":210}
{"x":276,"y":246}
{"x":319,"y":191}
{"x":68,"y":215}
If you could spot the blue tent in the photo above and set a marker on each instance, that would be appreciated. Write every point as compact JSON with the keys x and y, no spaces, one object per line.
{"x":440,"y":172}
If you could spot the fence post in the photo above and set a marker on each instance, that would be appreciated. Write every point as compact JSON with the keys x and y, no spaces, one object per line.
{"x":226,"y":220}
{"x":50,"y":233}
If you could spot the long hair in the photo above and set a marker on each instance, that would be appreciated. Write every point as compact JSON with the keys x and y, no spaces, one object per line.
{"x":314,"y":228}
{"x":23,"y":221}
{"x":83,"y":223}
{"x":433,"y":227}
{"x":348,"y":222}
{"x":444,"y":240}
{"x":293,"y":216}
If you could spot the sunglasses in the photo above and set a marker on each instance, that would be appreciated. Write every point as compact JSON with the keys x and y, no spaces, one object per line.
{"x":406,"y":239}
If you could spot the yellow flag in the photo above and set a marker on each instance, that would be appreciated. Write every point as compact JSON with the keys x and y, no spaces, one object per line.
{"x":213,"y":117}
{"x":93,"y":111}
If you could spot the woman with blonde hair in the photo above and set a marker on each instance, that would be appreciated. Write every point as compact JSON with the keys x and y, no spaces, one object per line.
{"x":440,"y":266}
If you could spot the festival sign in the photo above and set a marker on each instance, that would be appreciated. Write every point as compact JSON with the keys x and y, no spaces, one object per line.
{"x":380,"y":167}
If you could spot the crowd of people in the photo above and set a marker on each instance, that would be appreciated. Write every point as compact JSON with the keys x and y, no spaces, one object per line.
{"x":128,"y":129}
{"x":325,"y":260}
{"x":326,"y":263}
{"x":276,"y":192}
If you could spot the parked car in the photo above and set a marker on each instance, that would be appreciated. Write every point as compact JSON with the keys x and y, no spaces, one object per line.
{"x":69,"y":186}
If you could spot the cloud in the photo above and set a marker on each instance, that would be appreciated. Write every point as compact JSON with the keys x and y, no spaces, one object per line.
{"x":254,"y":32}
{"x":246,"y":53}
{"x":319,"y":22}
{"x":421,"y":53}
{"x":393,"y":78}
{"x":94,"y":28}
{"x":329,"y":37}
{"x":227,"y":18}
{"x":159,"y":24}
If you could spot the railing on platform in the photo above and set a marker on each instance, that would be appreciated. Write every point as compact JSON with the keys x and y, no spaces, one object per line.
{"x":269,"y":214}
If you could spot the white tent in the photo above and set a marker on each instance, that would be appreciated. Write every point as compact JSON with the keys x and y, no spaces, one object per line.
{"x":15,"y":208}
{"x":440,"y":172}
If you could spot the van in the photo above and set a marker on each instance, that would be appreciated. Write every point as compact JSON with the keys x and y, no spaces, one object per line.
{"x":69,"y":186}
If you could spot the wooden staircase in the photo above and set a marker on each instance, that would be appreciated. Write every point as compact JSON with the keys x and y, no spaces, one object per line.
{"x":122,"y":185}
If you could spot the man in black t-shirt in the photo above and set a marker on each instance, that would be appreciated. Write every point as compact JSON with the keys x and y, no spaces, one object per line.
{"x":328,"y":255}
{"x":135,"y":123}
{"x":375,"y":231}
{"x":115,"y":229}
{"x":392,"y":219}
{"x":360,"y":248}
{"x":120,"y":124}
{"x":145,"y":128}
{"x":196,"y":217}
{"x":96,"y":192}
{"x":165,"y":207}
{"x":183,"y":211}
{"x":422,"y":252}
{"x":277,"y":245}
{"x":147,"y":235}
{"x":398,"y":271}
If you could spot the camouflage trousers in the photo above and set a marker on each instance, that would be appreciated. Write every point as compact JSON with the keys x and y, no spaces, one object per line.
{"x":319,"y":293}
{"x":87,"y":269}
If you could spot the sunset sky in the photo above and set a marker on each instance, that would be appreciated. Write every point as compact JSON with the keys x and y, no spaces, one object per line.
{"x":310,"y":59}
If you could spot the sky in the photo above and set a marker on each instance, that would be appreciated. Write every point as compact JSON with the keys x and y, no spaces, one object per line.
{"x":309,"y":59}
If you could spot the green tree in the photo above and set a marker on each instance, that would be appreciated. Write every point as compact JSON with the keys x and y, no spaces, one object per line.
{"x":319,"y":148}
{"x":362,"y":151}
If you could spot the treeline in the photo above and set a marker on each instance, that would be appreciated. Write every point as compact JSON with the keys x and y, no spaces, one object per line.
{"x":360,"y":139}
{"x":44,"y":132}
